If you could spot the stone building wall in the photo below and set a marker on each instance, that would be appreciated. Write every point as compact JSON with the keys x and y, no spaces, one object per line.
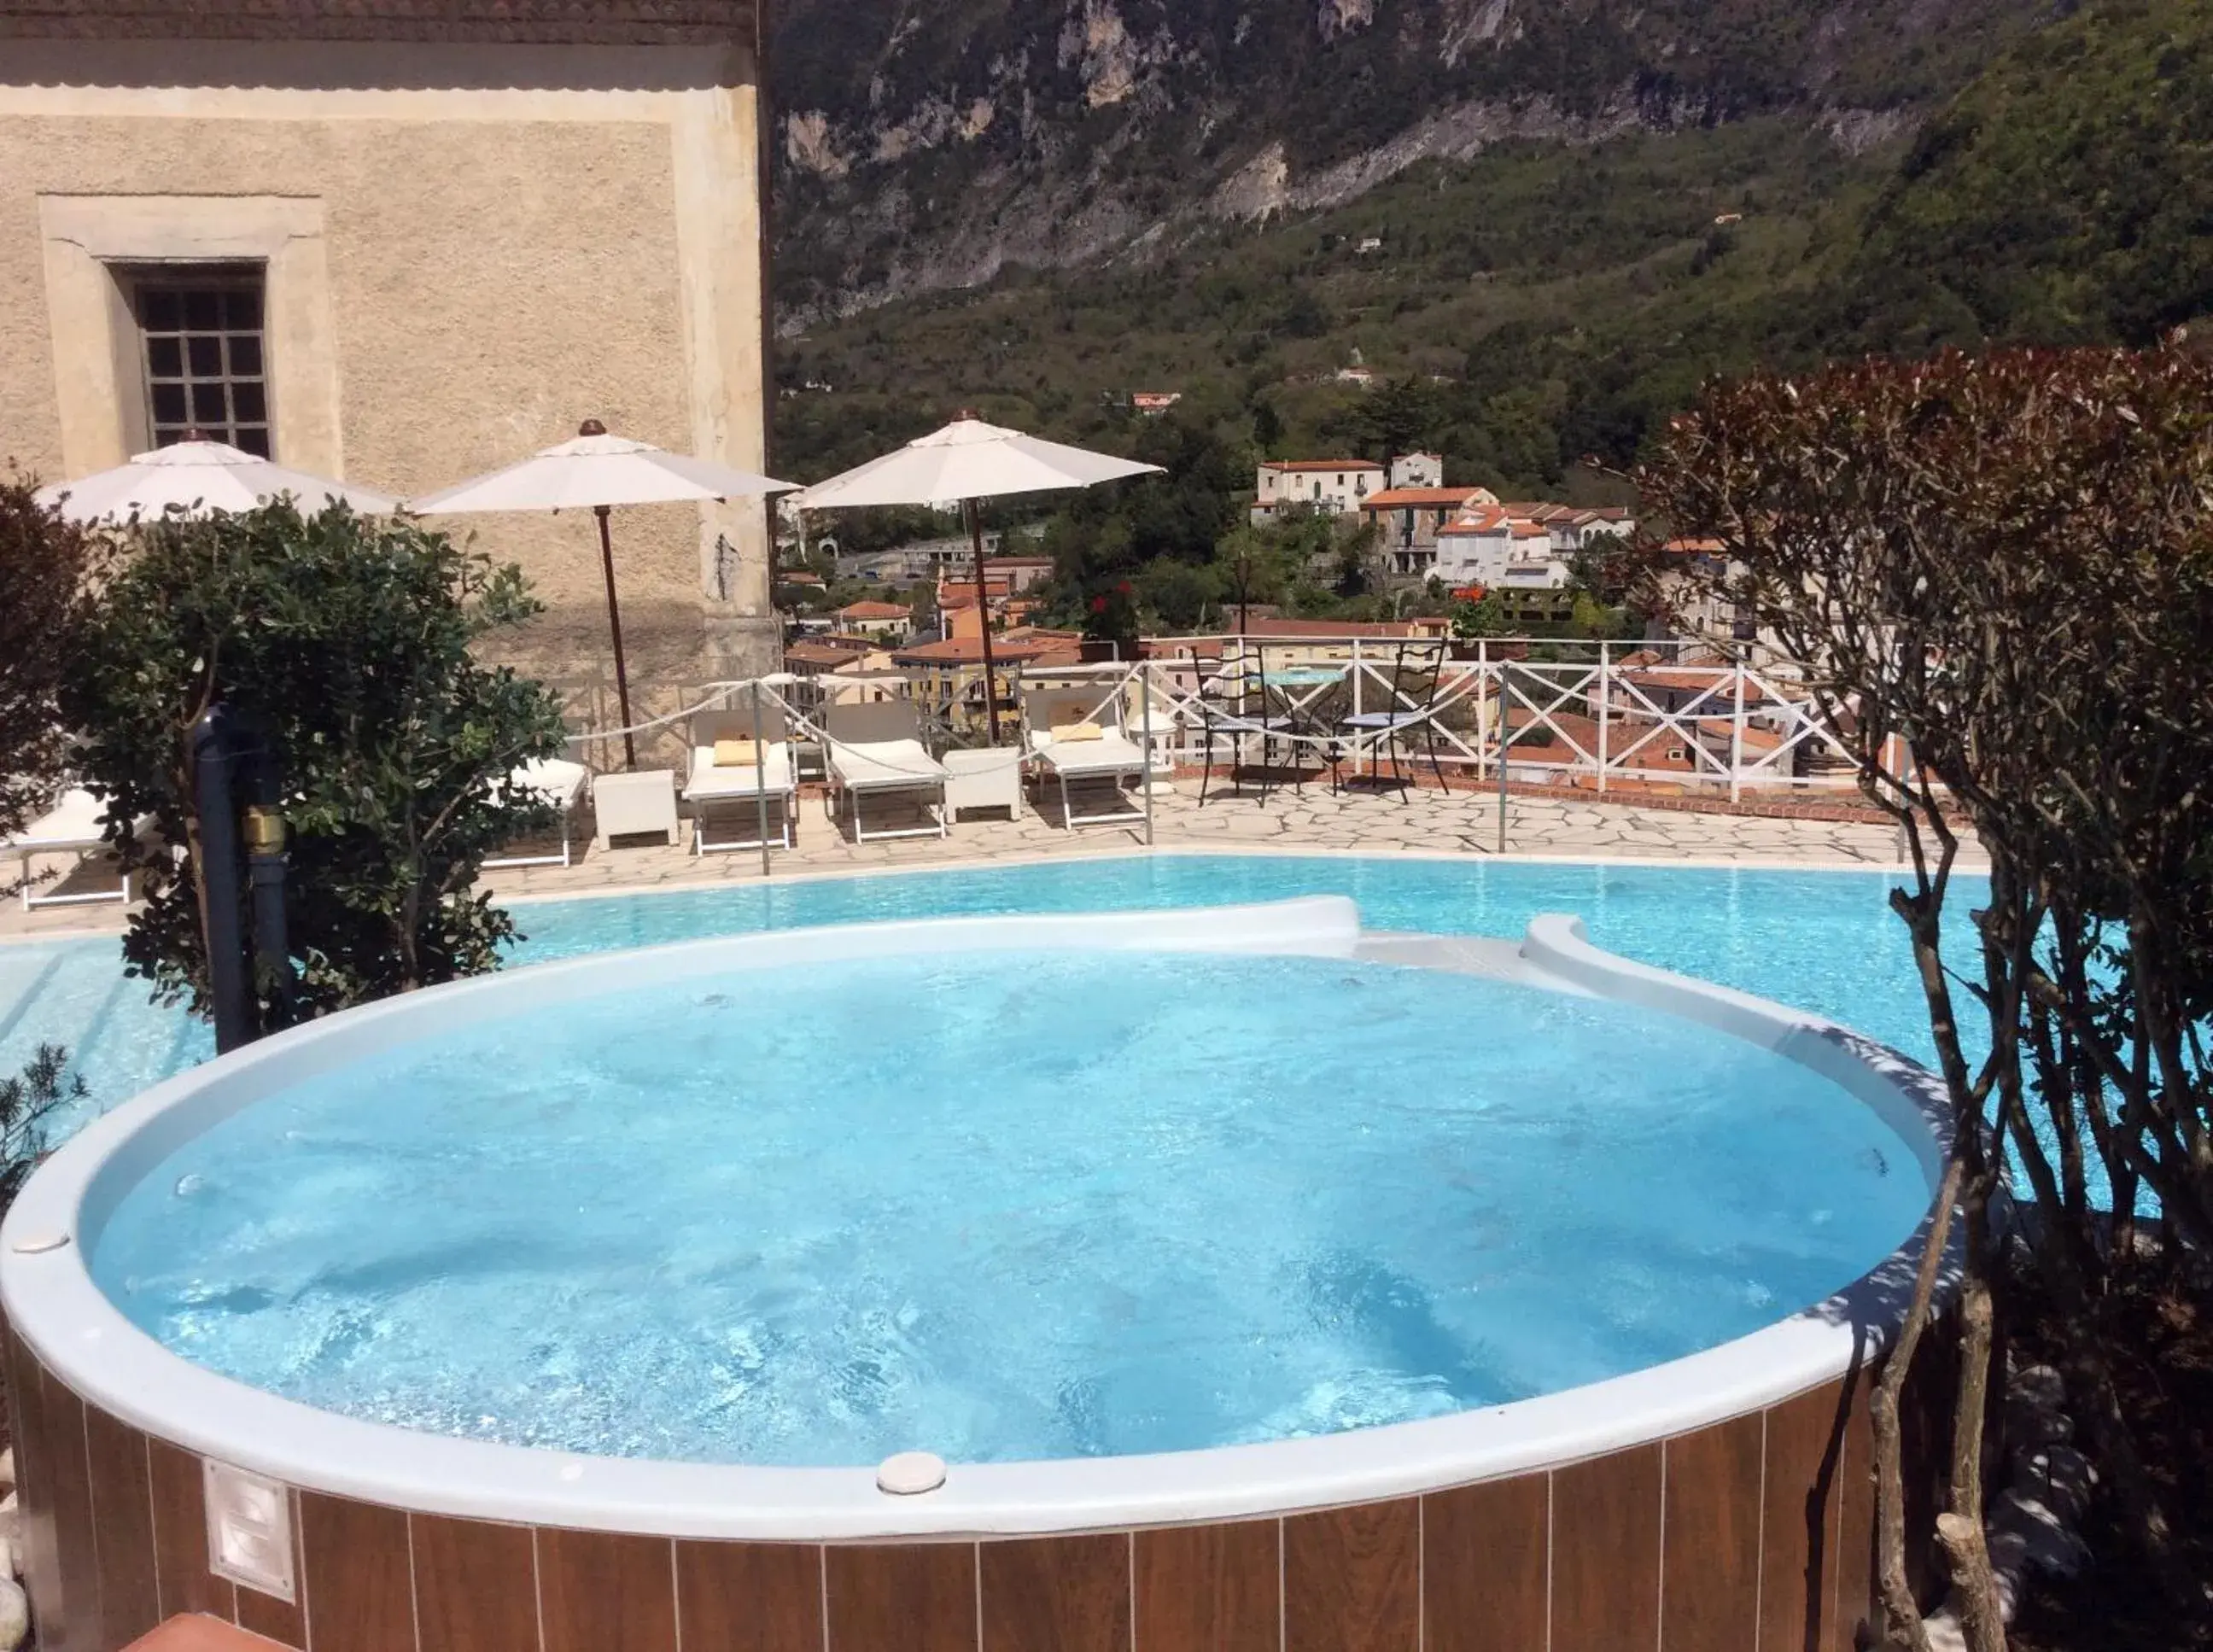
{"x":469,"y":249}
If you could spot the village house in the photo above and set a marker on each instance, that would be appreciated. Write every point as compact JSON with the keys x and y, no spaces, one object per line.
{"x":1409,"y":519}
{"x":948,"y":674}
{"x":1689,"y":607}
{"x":1327,"y":487}
{"x":1474,"y":547}
{"x":890,"y":622}
{"x":840,"y":670}
{"x":1419,"y":469}
{"x":1573,"y":529}
{"x":957,"y":608}
{"x":398,"y":246}
{"x":1020,"y":574}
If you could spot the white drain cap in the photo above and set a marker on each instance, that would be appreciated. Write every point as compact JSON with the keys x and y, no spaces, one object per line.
{"x":910,"y":1473}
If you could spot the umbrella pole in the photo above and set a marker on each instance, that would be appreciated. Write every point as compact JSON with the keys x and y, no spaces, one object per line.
{"x":614,"y":624}
{"x":983,"y":615}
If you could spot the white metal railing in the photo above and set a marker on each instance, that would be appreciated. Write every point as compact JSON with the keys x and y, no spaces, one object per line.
{"x":1584,"y":715}
{"x":1667,"y":714}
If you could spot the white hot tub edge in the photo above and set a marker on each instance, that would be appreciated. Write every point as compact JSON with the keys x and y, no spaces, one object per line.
{"x":52,"y":1303}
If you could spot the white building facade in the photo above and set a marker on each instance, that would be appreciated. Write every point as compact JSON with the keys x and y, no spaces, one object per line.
{"x":1328,"y":487}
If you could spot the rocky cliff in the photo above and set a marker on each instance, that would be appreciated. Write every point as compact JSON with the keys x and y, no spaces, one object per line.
{"x":930,"y":143}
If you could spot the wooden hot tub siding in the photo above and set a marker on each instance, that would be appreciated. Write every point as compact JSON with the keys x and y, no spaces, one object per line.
{"x":1751,"y":1535}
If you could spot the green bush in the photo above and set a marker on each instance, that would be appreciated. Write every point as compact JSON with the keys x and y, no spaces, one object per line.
{"x":27,"y":1102}
{"x":348,"y":641}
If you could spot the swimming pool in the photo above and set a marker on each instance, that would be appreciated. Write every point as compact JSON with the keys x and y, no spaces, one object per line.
{"x":1825,"y":941}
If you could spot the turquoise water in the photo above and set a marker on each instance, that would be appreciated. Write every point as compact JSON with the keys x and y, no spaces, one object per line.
{"x":1005,"y":1207}
{"x":1820,"y":941}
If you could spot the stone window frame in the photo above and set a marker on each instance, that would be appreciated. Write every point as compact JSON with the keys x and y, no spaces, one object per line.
{"x":95,"y":246}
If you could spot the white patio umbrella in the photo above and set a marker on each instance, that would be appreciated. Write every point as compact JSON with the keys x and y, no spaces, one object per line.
{"x":197,"y":476}
{"x":970,"y":462}
{"x":596,"y":473}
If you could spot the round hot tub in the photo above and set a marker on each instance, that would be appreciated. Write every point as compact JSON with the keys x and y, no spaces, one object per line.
{"x":1238,"y":1279}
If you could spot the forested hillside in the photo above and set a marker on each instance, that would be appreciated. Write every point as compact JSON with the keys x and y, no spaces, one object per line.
{"x":1545,"y":299}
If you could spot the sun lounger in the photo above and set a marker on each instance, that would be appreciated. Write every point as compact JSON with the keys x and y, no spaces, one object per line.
{"x":555,"y":781}
{"x":876,"y":750}
{"x":1071,"y":735}
{"x":736,"y":788}
{"x":71,"y":827}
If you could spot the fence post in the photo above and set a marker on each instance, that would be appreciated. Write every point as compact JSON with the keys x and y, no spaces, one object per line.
{"x":1505,"y":738}
{"x":1145,"y":727}
{"x":1360,"y":670}
{"x":760,"y":778}
{"x":1736,"y":738}
{"x":1482,"y":698}
{"x":1605,"y":707}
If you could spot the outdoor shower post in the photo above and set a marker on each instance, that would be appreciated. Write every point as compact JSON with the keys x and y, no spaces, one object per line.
{"x":230,"y":983}
{"x":266,"y":836}
{"x":221,"y":745}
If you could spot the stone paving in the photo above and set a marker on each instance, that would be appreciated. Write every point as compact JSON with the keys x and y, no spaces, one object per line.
{"x":1424,"y":822}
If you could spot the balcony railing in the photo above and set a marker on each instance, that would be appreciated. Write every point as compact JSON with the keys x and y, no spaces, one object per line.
{"x":1591,"y":716}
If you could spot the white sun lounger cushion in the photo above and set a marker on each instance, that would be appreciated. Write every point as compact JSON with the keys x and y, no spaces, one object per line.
{"x":885,"y":765}
{"x":72,"y":824}
{"x":555,"y":779}
{"x":774,"y":774}
{"x":1110,"y":754}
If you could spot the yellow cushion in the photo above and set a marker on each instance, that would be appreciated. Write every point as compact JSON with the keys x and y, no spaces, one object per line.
{"x":1071,"y":731}
{"x":736,"y":754}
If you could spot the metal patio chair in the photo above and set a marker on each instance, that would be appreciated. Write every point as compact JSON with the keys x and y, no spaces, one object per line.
{"x":1418,"y":677}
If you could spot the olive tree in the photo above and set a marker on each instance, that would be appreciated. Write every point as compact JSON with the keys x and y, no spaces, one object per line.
{"x":28,"y":1101}
{"x":1995,"y":576}
{"x":350,"y":643}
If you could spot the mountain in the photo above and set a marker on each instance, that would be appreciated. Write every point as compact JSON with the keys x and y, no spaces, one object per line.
{"x":928,"y":146}
{"x":1539,"y":299}
{"x":2066,"y":197}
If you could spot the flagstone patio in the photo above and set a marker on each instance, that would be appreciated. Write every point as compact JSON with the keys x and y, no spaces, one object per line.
{"x":1426,"y":822}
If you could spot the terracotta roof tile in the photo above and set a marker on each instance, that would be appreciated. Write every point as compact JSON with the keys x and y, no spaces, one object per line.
{"x":1390,"y":498}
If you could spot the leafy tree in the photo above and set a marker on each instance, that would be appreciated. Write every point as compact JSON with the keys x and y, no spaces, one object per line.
{"x":1399,"y":415}
{"x":1998,"y":574}
{"x":27,"y":1102}
{"x":45,"y":564}
{"x":1179,"y":595}
{"x":1267,"y":428}
{"x":348,"y":641}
